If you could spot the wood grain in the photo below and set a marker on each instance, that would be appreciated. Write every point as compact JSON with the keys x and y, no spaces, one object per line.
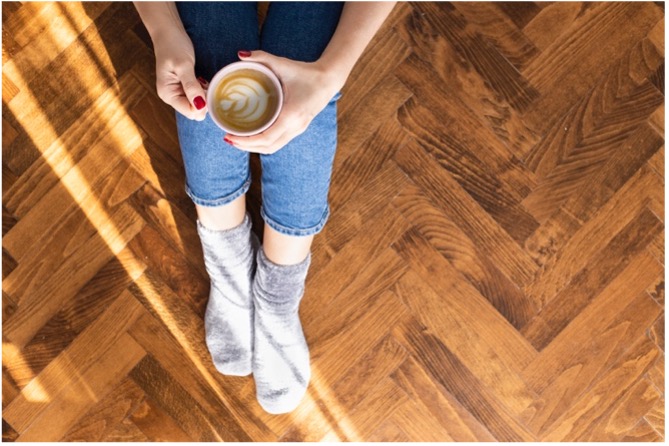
{"x":492,"y":269}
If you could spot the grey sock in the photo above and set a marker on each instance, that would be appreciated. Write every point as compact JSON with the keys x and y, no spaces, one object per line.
{"x":229,"y":257}
{"x":281,"y":356}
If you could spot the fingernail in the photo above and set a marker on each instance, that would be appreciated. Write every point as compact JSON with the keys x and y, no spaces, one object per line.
{"x":202,"y":80}
{"x":228,"y":141}
{"x":244,"y":53}
{"x":199,"y":103}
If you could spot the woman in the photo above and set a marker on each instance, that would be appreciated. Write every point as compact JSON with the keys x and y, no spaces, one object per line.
{"x":251,"y":322}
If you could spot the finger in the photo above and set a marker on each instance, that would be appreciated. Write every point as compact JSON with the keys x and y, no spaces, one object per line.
{"x":194,"y":91}
{"x":203,"y":83}
{"x":283,"y":139}
{"x":266,"y":138}
{"x":273,"y":62}
{"x":171,"y":92}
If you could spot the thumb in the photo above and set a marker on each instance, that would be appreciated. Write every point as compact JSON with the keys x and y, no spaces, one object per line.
{"x":273,"y":62}
{"x":195,"y":94}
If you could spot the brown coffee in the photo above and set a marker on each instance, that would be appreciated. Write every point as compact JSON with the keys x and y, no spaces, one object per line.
{"x":245,"y":100}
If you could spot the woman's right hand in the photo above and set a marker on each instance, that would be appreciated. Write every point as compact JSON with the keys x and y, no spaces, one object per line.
{"x":175,"y":75}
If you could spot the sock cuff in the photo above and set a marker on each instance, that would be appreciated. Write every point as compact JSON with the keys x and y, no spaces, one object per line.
{"x":292,"y":270}
{"x":281,"y":285}
{"x":244,"y":225}
{"x":227,"y":243}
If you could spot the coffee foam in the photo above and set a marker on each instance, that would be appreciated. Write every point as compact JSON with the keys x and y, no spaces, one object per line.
{"x":245,"y":100}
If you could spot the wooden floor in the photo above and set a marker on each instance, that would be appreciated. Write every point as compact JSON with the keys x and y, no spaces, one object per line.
{"x":493,"y":268}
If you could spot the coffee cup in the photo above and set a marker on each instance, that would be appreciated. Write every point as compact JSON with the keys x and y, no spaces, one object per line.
{"x":244,"y":98}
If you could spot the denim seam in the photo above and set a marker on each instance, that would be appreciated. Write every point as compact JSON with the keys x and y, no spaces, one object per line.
{"x":219,"y":201}
{"x":293,"y":231}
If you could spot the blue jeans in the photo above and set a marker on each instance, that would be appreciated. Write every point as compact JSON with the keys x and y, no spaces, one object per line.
{"x":295,"y":179}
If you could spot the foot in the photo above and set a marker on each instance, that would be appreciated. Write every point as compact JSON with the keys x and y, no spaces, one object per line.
{"x":281,"y":356}
{"x":230,"y":261}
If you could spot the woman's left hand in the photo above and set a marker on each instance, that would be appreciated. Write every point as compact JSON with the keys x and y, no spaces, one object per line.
{"x":307,"y":89}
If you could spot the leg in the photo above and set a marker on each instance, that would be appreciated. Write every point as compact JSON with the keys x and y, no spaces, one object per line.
{"x":217,"y":178}
{"x":295,"y":185}
{"x":299,"y":31}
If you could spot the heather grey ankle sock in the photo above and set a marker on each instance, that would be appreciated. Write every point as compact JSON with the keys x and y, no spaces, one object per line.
{"x":229,"y":257}
{"x":281,"y":356}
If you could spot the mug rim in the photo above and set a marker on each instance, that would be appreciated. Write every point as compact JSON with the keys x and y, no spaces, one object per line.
{"x":236,"y":66}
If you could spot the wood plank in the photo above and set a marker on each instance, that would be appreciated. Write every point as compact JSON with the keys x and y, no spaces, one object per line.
{"x":106,"y":420}
{"x":656,"y":332}
{"x":499,"y":30}
{"x":177,"y":404}
{"x":77,"y":77}
{"x":41,"y":37}
{"x":565,"y":260}
{"x":446,"y":368}
{"x":186,"y":280}
{"x":151,"y":420}
{"x":95,"y":344}
{"x":38,"y":307}
{"x":452,"y":199}
{"x":75,"y":315}
{"x":501,"y":75}
{"x":389,"y":431}
{"x":623,"y":416}
{"x":104,"y":120}
{"x":452,"y":137}
{"x":381,"y":103}
{"x":381,"y":56}
{"x":379,"y":404}
{"x":85,"y":390}
{"x":438,"y":276}
{"x":623,"y":306}
{"x":417,"y":423}
{"x":334,"y":350}
{"x":358,"y":169}
{"x":79,"y":225}
{"x":158,"y":121}
{"x":465,"y":256}
{"x":474,"y":165}
{"x":78,"y":184}
{"x":366,"y":260}
{"x":656,"y":374}
{"x":596,"y":401}
{"x":656,"y":162}
{"x":610,"y":30}
{"x":585,"y":285}
{"x":642,"y":431}
{"x":362,"y":209}
{"x":461,"y":87}
{"x":342,"y":387}
{"x":176,"y":227}
{"x":582,"y":369}
{"x":174,"y":335}
{"x":581,"y":141}
{"x":656,"y":416}
{"x":443,"y":408}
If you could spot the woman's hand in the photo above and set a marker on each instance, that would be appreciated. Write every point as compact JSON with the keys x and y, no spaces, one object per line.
{"x":307,"y":89}
{"x":175,"y":75}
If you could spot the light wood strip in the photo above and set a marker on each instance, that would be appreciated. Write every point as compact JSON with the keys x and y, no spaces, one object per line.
{"x":89,"y":349}
{"x":85,"y":390}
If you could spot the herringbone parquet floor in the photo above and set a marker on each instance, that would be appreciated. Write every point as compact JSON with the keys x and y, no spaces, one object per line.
{"x":493,"y":268}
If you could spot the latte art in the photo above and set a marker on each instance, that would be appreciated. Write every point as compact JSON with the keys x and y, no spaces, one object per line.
{"x":245,"y":100}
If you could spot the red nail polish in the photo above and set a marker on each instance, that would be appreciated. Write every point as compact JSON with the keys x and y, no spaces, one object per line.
{"x":202,"y":80}
{"x":228,"y":141}
{"x":199,"y":103}
{"x":244,"y":53}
